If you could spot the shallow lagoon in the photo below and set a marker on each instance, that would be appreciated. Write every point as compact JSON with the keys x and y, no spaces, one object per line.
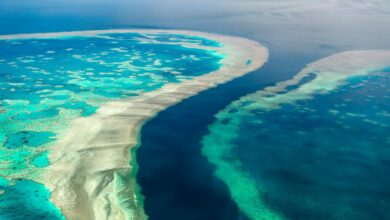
{"x":46,"y":83}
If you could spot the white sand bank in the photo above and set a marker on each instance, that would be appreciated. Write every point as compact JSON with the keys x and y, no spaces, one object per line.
{"x":330,"y":72}
{"x":91,"y":160}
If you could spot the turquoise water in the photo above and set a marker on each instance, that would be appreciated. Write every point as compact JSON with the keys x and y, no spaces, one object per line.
{"x":25,"y":199}
{"x":46,"y":83}
{"x":300,"y":30}
{"x":322,"y":157}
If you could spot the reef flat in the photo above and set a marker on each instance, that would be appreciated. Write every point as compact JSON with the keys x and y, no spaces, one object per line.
{"x":73,"y":104}
{"x":309,"y":147}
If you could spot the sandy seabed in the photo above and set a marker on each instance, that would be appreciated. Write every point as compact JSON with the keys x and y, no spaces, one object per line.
{"x":91,"y":172}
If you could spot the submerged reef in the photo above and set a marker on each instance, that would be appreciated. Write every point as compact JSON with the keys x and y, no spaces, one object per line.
{"x":299,"y":148}
{"x":72,"y":103}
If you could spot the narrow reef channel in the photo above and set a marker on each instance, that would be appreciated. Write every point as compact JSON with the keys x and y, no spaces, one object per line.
{"x":175,"y":179}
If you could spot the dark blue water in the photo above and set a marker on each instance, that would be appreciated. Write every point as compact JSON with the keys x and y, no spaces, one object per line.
{"x":176,"y":180}
{"x":172,"y":140}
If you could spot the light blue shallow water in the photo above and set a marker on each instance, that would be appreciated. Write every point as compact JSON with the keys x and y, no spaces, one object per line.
{"x":46,"y":83}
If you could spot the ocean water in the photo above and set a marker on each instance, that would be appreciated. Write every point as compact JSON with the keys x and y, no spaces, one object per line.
{"x":323,"y":157}
{"x":296,"y":32}
{"x":46,"y":83}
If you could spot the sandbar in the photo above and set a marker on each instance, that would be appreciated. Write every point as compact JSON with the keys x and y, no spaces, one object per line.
{"x":90,"y":172}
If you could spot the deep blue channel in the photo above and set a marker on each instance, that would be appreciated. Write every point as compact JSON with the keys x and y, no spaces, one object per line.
{"x":176,"y":180}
